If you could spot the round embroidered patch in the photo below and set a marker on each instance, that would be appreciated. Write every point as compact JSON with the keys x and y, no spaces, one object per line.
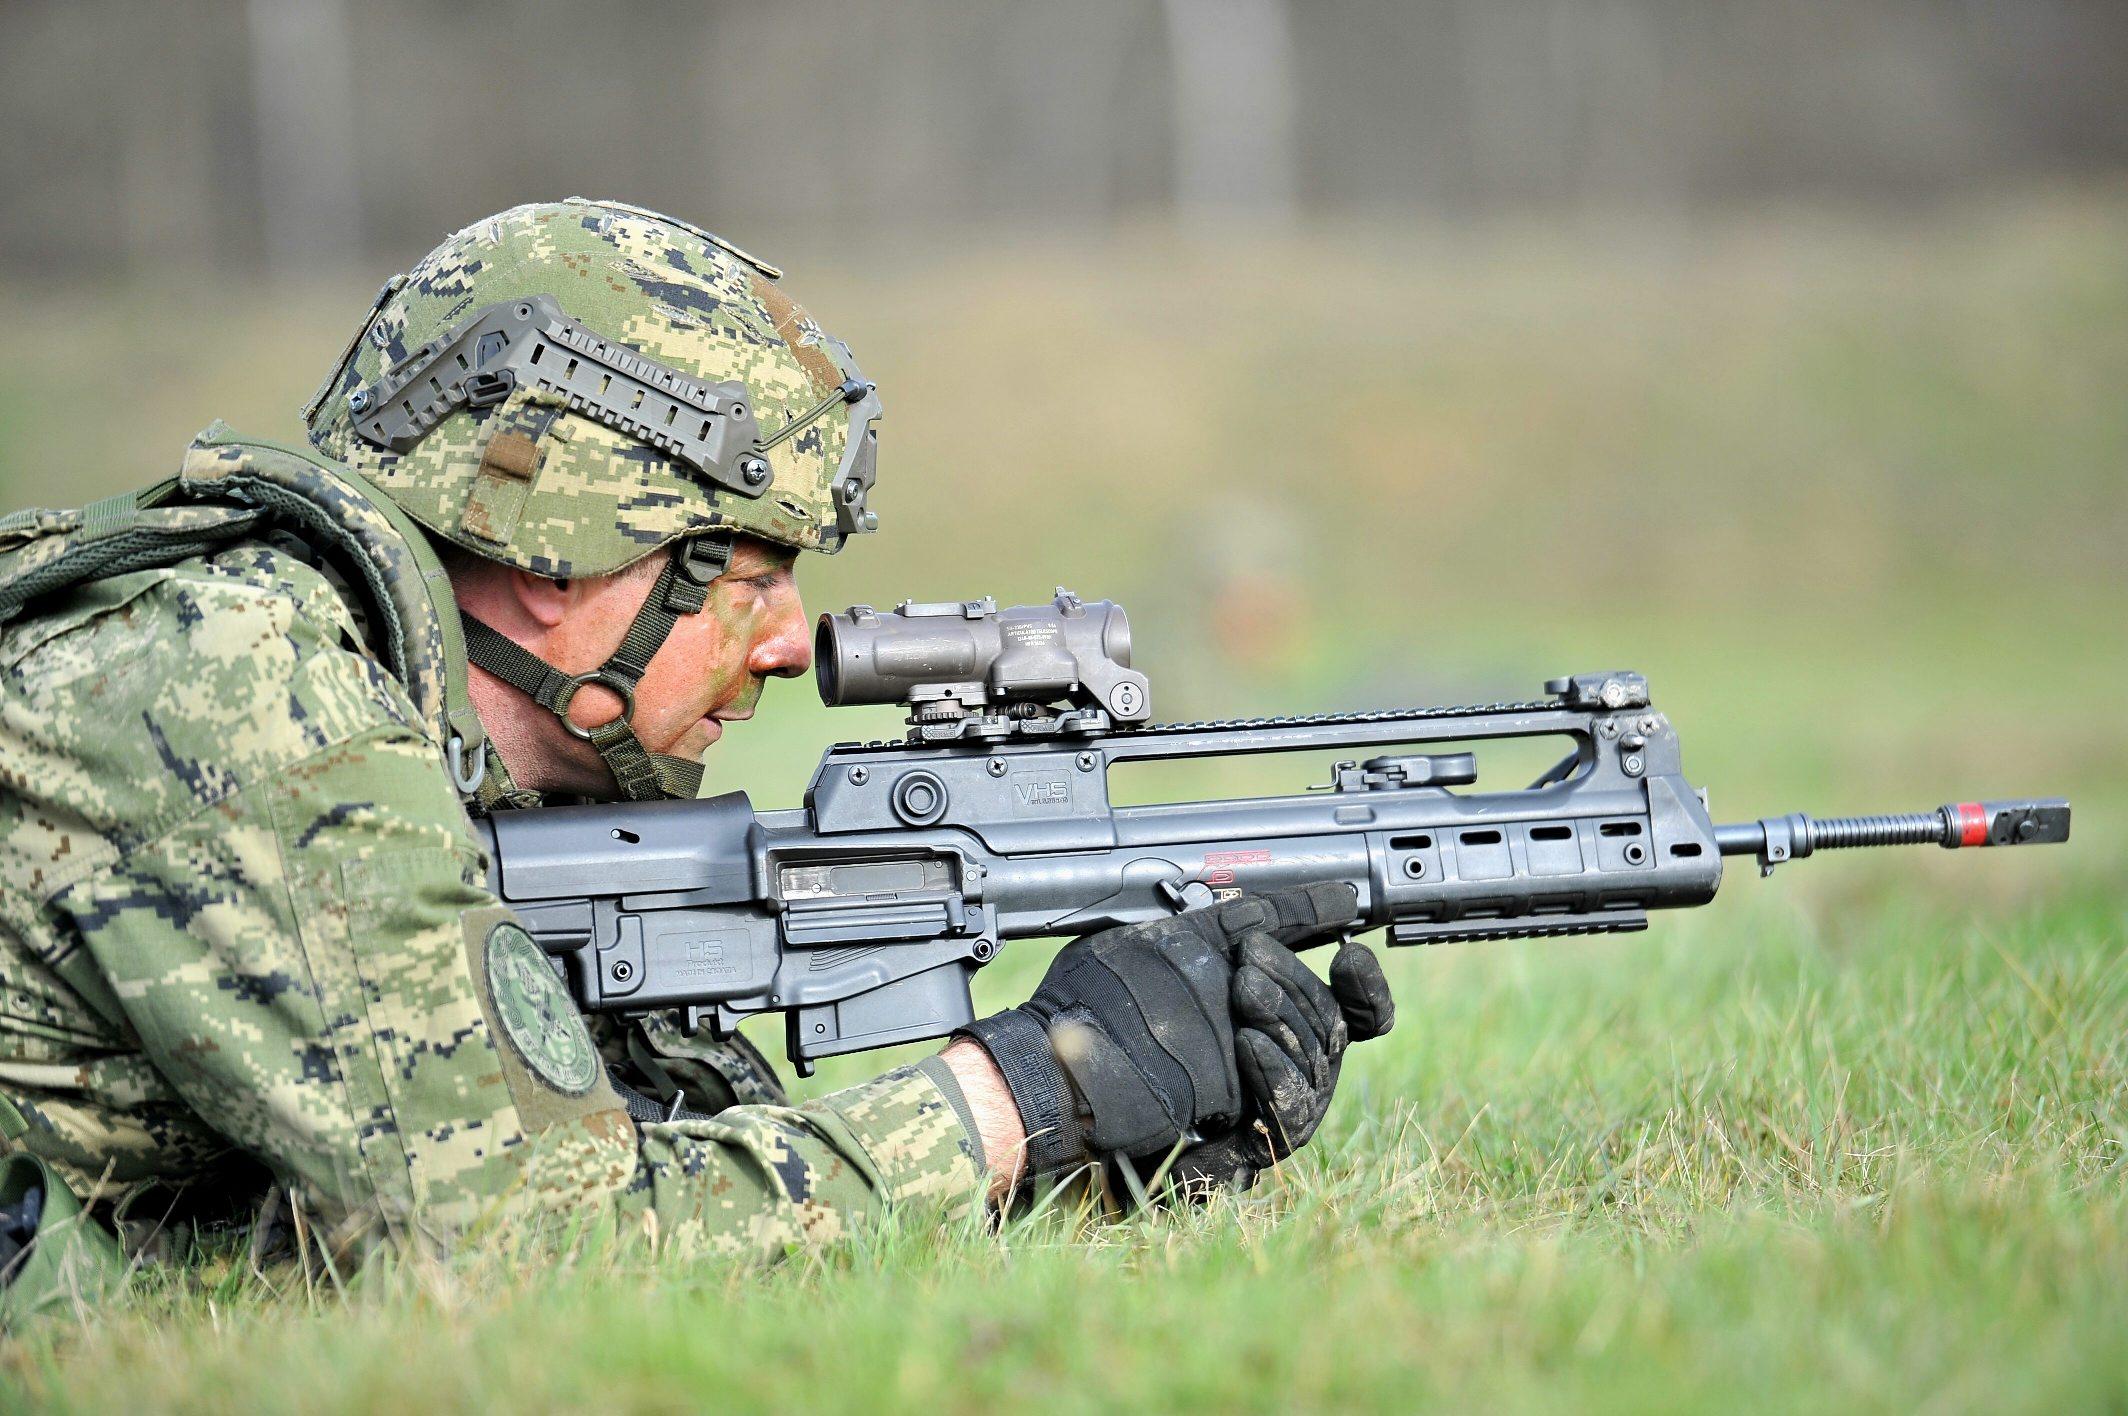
{"x":536,"y":1014}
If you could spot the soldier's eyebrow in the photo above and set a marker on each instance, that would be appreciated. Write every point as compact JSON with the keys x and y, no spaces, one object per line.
{"x":754,"y":559}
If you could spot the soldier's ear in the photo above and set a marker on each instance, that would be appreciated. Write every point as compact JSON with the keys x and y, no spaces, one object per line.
{"x":546,"y":601}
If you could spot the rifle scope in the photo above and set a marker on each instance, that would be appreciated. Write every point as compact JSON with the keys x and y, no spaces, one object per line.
{"x":956,"y":658}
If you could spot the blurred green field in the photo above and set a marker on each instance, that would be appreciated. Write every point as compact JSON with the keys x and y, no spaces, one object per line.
{"x":1852,"y":491}
{"x":1869,"y":1160}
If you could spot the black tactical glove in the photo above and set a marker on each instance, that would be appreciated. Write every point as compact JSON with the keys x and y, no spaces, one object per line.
{"x":1130,"y":1043}
{"x":1290,"y":1040}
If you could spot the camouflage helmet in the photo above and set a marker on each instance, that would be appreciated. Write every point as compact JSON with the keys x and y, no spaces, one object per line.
{"x":565,"y":387}
{"x":569,"y":387}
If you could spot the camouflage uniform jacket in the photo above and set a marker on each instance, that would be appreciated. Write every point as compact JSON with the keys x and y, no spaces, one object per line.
{"x":243,"y":923}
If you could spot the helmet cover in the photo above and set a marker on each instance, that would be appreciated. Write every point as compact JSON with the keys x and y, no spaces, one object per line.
{"x":542,"y":481}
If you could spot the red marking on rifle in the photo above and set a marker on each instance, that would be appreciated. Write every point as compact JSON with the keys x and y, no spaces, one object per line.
{"x":1219,"y":865}
{"x":1972,"y":824}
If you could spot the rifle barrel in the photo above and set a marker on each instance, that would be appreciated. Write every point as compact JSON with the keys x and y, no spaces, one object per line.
{"x":2027,"y":821}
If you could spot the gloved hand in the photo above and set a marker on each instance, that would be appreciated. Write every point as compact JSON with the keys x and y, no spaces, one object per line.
{"x":1290,"y":1042}
{"x":1136,"y":1035}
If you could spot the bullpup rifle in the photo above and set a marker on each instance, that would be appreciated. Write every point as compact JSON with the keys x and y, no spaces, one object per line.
{"x":863,"y":915}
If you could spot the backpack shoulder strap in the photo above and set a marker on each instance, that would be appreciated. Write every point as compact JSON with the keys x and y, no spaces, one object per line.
{"x":229,"y":488}
{"x":330,"y":505}
{"x":45,"y":550}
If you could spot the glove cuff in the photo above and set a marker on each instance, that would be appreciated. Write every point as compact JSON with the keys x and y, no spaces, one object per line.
{"x":1019,"y":1044}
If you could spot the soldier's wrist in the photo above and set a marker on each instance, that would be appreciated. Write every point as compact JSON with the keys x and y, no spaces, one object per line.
{"x":1018,"y":1042}
{"x":995,"y":1115}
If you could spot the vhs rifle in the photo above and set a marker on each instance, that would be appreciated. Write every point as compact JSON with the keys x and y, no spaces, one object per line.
{"x":863,"y":915}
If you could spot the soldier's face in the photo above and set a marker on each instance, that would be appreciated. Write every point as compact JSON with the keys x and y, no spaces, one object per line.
{"x":712,"y":667}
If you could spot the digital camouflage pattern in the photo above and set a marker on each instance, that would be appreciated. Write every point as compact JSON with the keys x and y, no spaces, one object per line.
{"x":597,"y":499}
{"x":243,"y":921}
{"x":420,"y":648}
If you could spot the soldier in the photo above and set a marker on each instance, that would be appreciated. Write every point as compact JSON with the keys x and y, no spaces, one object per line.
{"x":245,"y":935}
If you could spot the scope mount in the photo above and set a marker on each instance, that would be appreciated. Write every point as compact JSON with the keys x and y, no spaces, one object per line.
{"x":963,"y":712}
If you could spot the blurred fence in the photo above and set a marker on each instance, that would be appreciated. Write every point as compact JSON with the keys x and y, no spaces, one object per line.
{"x":1843,"y":474}
{"x":245,"y":133}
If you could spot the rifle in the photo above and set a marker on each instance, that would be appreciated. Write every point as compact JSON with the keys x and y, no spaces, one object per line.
{"x":863,"y":915}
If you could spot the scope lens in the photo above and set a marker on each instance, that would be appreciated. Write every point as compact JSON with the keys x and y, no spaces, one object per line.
{"x":1115,"y":636}
{"x":827,"y":676}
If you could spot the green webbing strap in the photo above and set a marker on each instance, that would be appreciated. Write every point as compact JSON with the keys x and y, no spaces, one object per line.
{"x":466,"y":737}
{"x":648,"y":632}
{"x":119,"y":512}
{"x":498,"y":791}
{"x":12,"y":1125}
{"x":644,"y":775}
{"x":108,"y":516}
{"x":681,"y":779}
{"x":44,"y":552}
{"x":700,"y":560}
{"x":518,"y":666}
{"x":682,"y":587}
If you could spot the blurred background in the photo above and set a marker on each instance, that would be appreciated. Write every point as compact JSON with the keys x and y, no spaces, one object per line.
{"x":1369,"y":351}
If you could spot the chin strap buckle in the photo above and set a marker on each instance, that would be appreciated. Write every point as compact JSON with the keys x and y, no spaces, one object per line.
{"x":696,"y":562}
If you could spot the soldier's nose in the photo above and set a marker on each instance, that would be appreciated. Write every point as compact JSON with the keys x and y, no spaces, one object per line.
{"x":785,"y":646}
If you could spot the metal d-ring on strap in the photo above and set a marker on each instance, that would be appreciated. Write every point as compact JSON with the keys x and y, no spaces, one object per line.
{"x":682,"y":588}
{"x":610,"y":681}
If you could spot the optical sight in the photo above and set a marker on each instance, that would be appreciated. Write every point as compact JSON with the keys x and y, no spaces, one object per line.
{"x":966,"y":668}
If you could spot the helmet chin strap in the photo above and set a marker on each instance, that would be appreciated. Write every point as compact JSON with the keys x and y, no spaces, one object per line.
{"x":682,"y":588}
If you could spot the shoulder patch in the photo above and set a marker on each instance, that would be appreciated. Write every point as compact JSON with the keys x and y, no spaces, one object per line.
{"x":537,"y":1016}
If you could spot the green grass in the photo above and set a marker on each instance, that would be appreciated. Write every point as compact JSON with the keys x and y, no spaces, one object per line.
{"x":1873,"y":1160}
{"x":1851,"y":492}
